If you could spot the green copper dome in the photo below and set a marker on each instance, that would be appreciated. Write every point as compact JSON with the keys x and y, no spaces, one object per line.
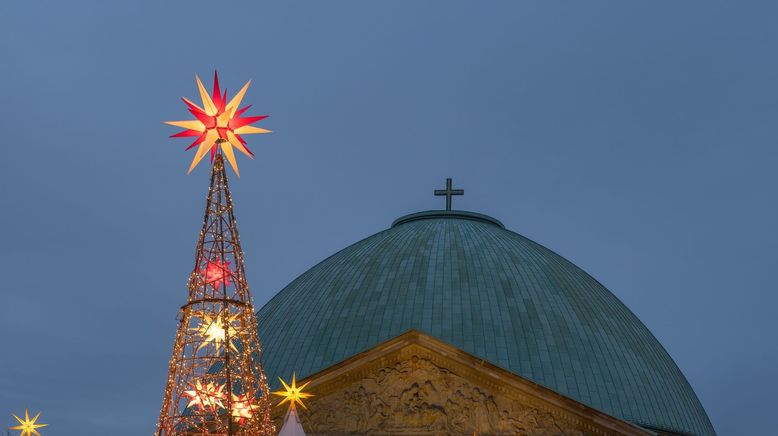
{"x":464,"y":279}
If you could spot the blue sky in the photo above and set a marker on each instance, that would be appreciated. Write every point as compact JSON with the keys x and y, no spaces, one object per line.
{"x":638,"y":140}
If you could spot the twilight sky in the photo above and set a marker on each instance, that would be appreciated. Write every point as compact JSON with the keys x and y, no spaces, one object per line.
{"x":637,"y":140}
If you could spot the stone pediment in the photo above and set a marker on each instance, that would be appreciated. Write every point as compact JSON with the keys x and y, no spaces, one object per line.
{"x":415,"y":384}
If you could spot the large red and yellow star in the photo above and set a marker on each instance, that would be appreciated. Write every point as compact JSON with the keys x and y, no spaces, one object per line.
{"x":218,"y":123}
{"x":28,"y":426}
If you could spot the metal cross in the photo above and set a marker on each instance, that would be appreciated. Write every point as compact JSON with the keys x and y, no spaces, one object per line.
{"x":448,"y":192}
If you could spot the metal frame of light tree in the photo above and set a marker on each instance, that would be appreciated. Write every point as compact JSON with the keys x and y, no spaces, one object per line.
{"x":216,"y":384}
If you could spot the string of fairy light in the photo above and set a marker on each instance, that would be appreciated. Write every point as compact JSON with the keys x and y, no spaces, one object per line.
{"x":211,"y":395}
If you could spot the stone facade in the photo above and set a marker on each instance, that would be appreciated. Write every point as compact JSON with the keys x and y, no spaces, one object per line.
{"x":416,"y":385}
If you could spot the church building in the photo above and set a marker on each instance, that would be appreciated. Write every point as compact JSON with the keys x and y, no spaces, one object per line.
{"x":447,"y":323}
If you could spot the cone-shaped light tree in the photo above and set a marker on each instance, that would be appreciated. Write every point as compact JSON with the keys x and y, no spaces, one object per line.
{"x":216,"y":384}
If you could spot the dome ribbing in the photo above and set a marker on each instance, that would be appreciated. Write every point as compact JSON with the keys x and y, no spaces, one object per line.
{"x":464,"y":279}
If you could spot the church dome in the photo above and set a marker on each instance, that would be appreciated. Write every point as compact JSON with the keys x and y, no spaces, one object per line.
{"x":466,"y":280}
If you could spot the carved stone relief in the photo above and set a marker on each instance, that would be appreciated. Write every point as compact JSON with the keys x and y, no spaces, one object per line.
{"x":417,"y":396}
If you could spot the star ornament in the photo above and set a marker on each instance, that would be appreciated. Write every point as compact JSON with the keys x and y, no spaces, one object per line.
{"x":214,"y":331}
{"x":218,"y":124}
{"x":292,"y":394}
{"x":242,"y":408}
{"x":216,"y":272}
{"x":28,"y":426}
{"x":206,"y":396}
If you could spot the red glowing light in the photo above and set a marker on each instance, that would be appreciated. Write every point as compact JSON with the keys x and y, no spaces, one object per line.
{"x":215,"y":273}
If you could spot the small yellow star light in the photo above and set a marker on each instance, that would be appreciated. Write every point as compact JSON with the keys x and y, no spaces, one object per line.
{"x":27,"y":426}
{"x":292,"y":394}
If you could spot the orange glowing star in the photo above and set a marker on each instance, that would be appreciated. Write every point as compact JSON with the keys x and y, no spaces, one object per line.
{"x":242,"y":408}
{"x":214,"y":331}
{"x":292,"y":394}
{"x":28,"y":426}
{"x":215,"y":273}
{"x":208,"y":396}
{"x":218,"y":123}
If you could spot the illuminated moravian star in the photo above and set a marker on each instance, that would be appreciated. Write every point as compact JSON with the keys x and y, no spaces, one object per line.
{"x":214,"y":331}
{"x":215,"y":273}
{"x":218,"y":123}
{"x":293,"y":394}
{"x":207,"y":396}
{"x":28,"y":426}
{"x":242,"y":408}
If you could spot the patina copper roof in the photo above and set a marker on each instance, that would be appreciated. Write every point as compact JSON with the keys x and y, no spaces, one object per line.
{"x":465,"y":279}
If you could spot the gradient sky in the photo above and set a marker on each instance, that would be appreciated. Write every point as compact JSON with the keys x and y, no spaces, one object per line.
{"x":637,"y":140}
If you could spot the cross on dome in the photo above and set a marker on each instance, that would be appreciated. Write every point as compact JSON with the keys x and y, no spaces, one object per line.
{"x":448,"y":193}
